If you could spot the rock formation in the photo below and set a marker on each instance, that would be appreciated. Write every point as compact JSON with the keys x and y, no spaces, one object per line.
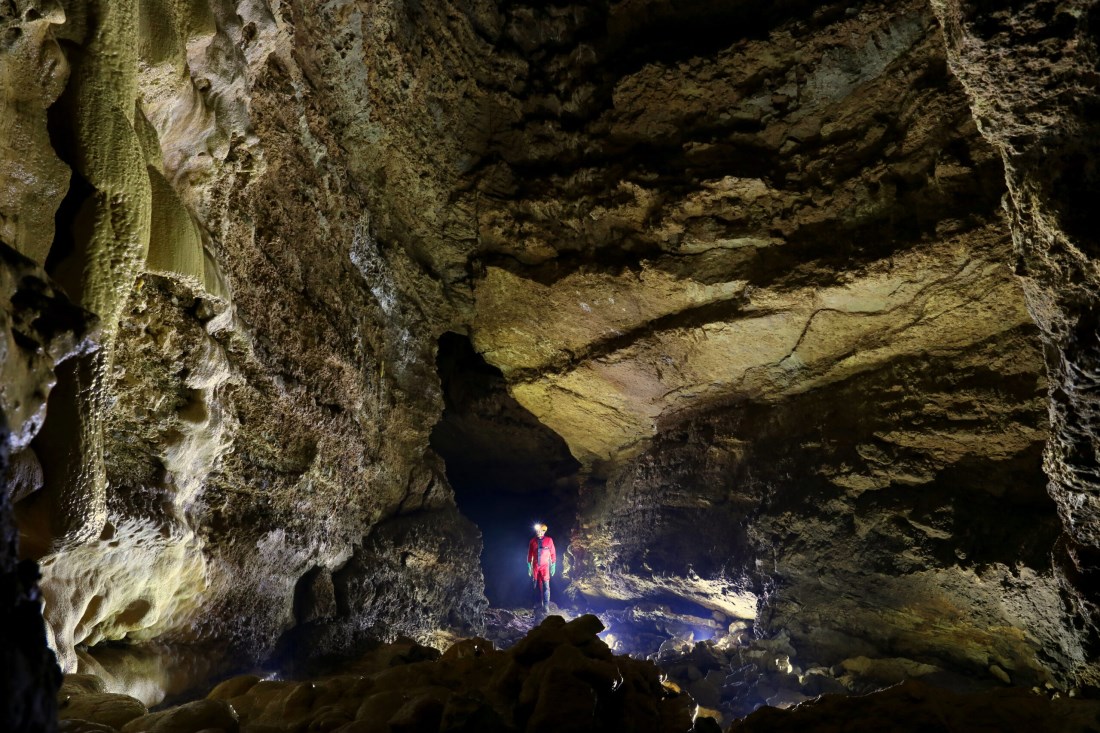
{"x":1034,"y":104}
{"x":39,"y":327}
{"x":731,"y":285}
{"x":561,"y":677}
{"x":247,"y":408}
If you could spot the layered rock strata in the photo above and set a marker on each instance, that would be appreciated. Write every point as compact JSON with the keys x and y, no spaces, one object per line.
{"x":762,"y":291}
{"x":920,"y":541}
{"x":763,"y":231}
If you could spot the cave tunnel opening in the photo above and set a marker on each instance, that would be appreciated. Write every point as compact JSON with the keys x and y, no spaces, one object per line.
{"x":507,"y":469}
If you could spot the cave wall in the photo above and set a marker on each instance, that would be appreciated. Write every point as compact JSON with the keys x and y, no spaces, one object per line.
{"x":260,"y":401}
{"x":757,"y":275}
{"x":39,"y":327}
{"x":1029,"y":70}
{"x":900,"y":514}
{"x":810,"y":201}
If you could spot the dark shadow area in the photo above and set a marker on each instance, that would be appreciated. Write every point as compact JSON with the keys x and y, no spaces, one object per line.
{"x":507,"y":469}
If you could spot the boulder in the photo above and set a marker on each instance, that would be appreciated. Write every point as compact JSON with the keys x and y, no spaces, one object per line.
{"x":193,"y":716}
{"x":82,"y":697}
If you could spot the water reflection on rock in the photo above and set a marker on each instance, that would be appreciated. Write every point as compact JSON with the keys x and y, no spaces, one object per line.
{"x":153,"y":673}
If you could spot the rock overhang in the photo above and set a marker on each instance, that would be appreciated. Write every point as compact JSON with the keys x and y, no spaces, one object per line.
{"x":607,"y":361}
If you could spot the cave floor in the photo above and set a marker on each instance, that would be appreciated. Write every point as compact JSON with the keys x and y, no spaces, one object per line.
{"x":557,"y":673}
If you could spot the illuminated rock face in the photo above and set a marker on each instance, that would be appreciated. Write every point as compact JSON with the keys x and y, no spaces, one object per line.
{"x":748,"y":261}
{"x":900,"y":514}
{"x":264,"y":388}
{"x":763,"y":294}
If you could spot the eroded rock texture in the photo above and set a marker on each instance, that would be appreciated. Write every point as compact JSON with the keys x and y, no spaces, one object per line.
{"x":263,"y":393}
{"x":748,"y":263}
{"x":561,"y":677}
{"x":1031,"y":75}
{"x":874,"y":541}
{"x":758,"y":284}
{"x":749,"y":225}
{"x":39,"y":327}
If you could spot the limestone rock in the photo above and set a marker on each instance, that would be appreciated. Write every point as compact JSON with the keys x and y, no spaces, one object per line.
{"x":82,"y":697}
{"x":410,"y":576}
{"x":1031,"y":106}
{"x":42,"y":328}
{"x":73,"y":725}
{"x":215,"y":413}
{"x":39,"y":327}
{"x":193,"y":716}
{"x":707,"y":304}
{"x":560,"y":677}
{"x":704,"y":515}
{"x":24,"y":475}
{"x":152,"y":672}
{"x":33,"y":180}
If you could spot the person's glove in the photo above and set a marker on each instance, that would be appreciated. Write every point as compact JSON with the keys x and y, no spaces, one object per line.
{"x":529,"y":573}
{"x":553,"y":568}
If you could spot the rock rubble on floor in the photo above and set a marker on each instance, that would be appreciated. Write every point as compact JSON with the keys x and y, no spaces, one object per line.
{"x":560,"y":677}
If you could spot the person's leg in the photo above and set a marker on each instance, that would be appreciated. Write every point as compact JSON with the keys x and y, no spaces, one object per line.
{"x":546,"y":594}
{"x":542,"y":580}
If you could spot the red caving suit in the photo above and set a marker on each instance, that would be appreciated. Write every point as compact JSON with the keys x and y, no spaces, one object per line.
{"x":540,"y":562}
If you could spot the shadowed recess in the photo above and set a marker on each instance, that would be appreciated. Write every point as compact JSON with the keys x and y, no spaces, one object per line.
{"x":507,"y":469}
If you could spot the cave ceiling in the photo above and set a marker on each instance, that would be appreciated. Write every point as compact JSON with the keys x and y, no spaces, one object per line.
{"x":749,"y":262}
{"x":643,"y":211}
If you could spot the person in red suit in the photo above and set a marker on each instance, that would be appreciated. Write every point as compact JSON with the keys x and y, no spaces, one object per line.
{"x":542,"y":563}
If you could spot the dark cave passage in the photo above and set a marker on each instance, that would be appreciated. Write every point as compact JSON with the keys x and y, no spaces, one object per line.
{"x":507,"y":469}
